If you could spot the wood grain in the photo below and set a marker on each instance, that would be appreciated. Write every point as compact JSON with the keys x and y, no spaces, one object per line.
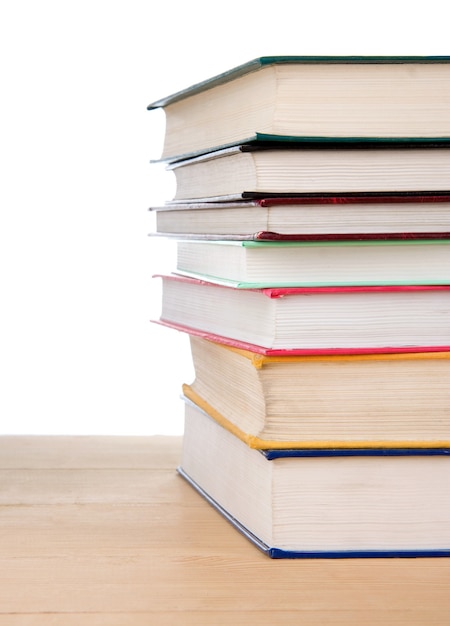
{"x":102,"y":531}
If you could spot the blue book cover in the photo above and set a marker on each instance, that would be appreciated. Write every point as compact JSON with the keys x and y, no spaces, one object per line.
{"x":277,"y":553}
{"x":322,"y":503}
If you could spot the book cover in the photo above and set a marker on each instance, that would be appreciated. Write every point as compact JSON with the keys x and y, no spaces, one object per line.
{"x":264,"y":61}
{"x":310,"y":320}
{"x":311,"y":100}
{"x":246,"y":171}
{"x":281,"y":553}
{"x":379,"y":400}
{"x":303,"y":219}
{"x":309,"y":504}
{"x":316,"y":263}
{"x":383,"y":400}
{"x":264,"y":351}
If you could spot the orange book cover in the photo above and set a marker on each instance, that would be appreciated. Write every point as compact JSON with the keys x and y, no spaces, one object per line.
{"x":338,"y":401}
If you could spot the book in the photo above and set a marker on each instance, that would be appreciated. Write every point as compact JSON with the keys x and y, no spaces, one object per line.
{"x":300,"y":218}
{"x":307,"y":319}
{"x":322,"y":401}
{"x":300,"y":98}
{"x":247,"y":172}
{"x":248,"y":264}
{"x":322,"y":503}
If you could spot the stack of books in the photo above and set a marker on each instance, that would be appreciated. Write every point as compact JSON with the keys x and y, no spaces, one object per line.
{"x":312,"y":227}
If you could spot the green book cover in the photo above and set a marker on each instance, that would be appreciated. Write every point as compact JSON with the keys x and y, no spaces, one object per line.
{"x":391,"y":100}
{"x":264,"y":61}
{"x":253,"y":264}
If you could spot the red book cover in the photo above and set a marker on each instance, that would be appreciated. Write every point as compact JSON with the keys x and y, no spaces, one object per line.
{"x":286,"y":292}
{"x":434,"y":230}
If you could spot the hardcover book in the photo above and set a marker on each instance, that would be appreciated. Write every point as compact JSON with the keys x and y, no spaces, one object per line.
{"x":296,"y":218}
{"x":307,"y":319}
{"x":316,"y":98}
{"x":322,"y":401}
{"x":322,"y":503}
{"x":248,"y":264}
{"x":250,"y":172}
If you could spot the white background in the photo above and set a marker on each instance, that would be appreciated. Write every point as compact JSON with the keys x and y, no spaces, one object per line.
{"x":78,"y":354}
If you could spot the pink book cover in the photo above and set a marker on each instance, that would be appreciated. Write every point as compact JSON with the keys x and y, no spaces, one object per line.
{"x":279,"y":292}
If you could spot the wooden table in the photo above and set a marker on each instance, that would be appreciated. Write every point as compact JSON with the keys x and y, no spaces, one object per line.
{"x":102,"y":531}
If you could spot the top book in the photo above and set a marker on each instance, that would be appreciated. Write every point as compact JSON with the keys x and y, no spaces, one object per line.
{"x":311,"y":99}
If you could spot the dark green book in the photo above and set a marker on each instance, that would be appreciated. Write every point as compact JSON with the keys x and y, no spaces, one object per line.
{"x":312,"y":99}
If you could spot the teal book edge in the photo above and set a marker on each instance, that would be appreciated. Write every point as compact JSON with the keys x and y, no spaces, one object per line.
{"x":277,"y":553}
{"x":264,"y":61}
{"x":239,"y":284}
{"x":252,"y":244}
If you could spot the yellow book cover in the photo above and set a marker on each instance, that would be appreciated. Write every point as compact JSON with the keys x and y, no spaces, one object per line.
{"x":341,"y":401}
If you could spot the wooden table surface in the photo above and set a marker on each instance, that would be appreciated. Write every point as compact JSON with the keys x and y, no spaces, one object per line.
{"x":102,"y":531}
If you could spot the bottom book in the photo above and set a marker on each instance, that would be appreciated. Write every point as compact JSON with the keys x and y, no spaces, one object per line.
{"x":325,"y":503}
